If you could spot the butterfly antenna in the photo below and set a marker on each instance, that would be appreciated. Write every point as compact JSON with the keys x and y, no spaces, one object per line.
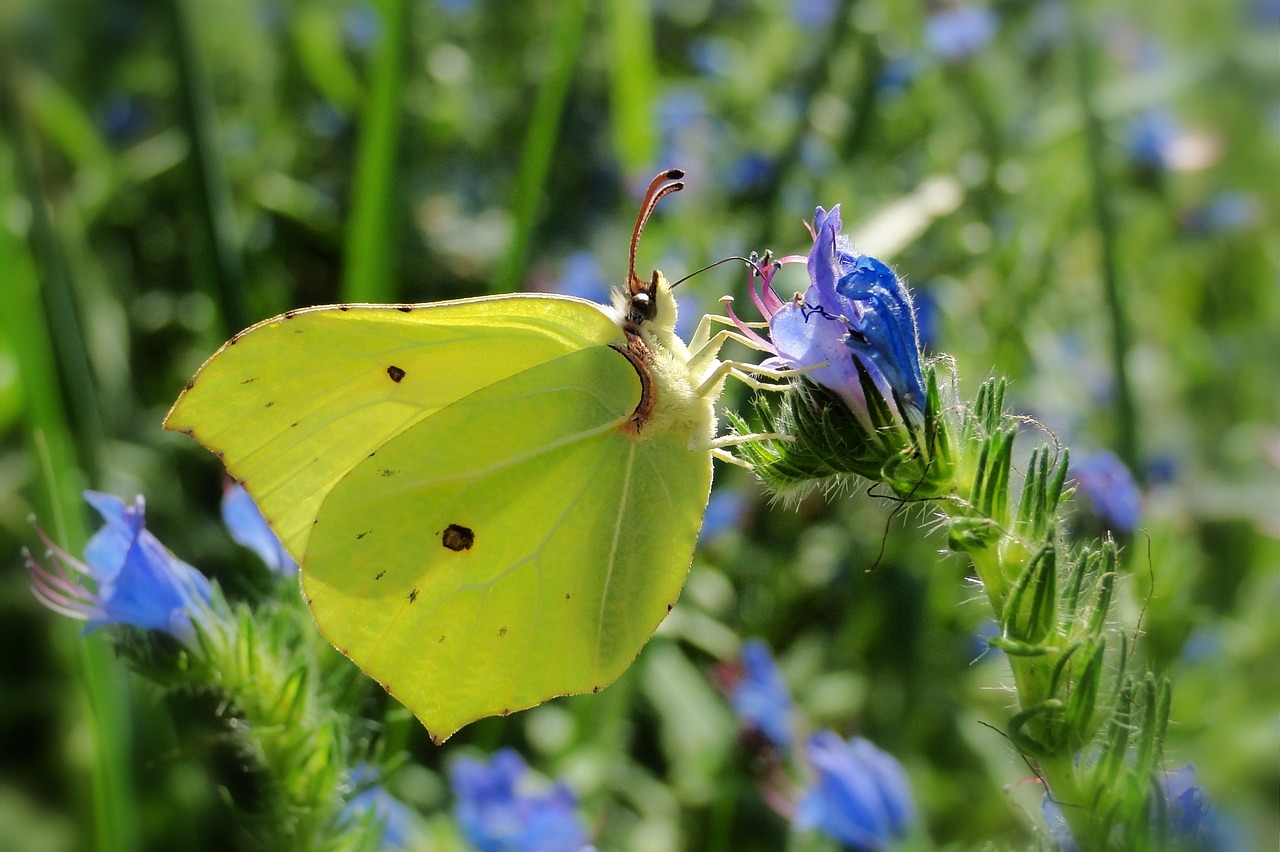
{"x":752,"y":262}
{"x":660,"y":187}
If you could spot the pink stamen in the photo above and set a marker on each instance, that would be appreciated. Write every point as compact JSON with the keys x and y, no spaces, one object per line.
{"x":58,"y":594}
{"x":60,"y":555}
{"x":747,"y":331}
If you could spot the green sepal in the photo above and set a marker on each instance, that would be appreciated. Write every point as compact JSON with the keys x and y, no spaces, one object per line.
{"x":1077,"y":720}
{"x":1032,"y":610}
{"x":1023,"y":739}
{"x":970,"y":535}
{"x":1014,"y":648}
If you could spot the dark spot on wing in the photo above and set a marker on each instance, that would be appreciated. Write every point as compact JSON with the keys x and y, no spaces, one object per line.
{"x":670,"y":607}
{"x":566,"y":596}
{"x":413,"y":596}
{"x":344,"y":307}
{"x":502,"y":632}
{"x":293,"y":424}
{"x":441,"y":639}
{"x":249,"y":381}
{"x":385,"y":472}
{"x":221,"y":455}
{"x":404,"y":309}
{"x":380,"y":574}
{"x":457,"y":537}
{"x":595,"y":689}
{"x":395,"y":373}
{"x":506,"y":711}
{"x":269,"y":404}
{"x":435,"y":741}
{"x":191,"y":382}
{"x":366,"y":532}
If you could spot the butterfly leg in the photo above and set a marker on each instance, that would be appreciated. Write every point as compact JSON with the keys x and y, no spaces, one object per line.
{"x":702,"y":334}
{"x":747,"y":374}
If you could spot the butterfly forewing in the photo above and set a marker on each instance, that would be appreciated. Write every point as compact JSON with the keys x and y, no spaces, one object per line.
{"x":294,"y":403}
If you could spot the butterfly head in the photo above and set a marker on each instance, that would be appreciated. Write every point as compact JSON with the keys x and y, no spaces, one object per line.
{"x":651,"y":301}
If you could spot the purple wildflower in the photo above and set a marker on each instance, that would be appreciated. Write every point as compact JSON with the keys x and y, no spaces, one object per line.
{"x":760,"y":697}
{"x":959,"y":32}
{"x":499,"y":814}
{"x":1183,"y":815}
{"x":855,"y":314}
{"x":860,"y":795}
{"x":393,"y":815}
{"x":136,"y":579}
{"x":1109,"y":487}
{"x":249,"y":528}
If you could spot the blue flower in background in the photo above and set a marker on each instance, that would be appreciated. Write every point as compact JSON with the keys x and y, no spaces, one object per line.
{"x":249,"y":528}
{"x":724,"y":513}
{"x":897,"y":75}
{"x":928,"y":318}
{"x":1183,"y":816}
{"x":361,"y":26}
{"x":1109,"y":487}
{"x":856,"y":313}
{"x":814,"y":14}
{"x":582,"y":276}
{"x":122,"y":118}
{"x":860,"y":795}
{"x":394,"y":815}
{"x":959,"y":32}
{"x":760,"y":698}
{"x":137,"y":580}
{"x":498,"y":813}
{"x":1226,"y":212}
{"x":1150,"y":138}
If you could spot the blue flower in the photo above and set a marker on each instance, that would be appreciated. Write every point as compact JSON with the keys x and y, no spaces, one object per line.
{"x":1151,"y":138}
{"x":361,"y":27}
{"x":959,"y":32}
{"x":1183,"y":815}
{"x":393,"y":815}
{"x":136,"y":579}
{"x":856,"y":313}
{"x":860,"y":795}
{"x":582,"y":276}
{"x":724,"y":512}
{"x":1109,"y":487}
{"x":1190,"y":815}
{"x":814,"y":14}
{"x":249,"y":528}
{"x":760,"y":697}
{"x":1226,"y":212}
{"x":498,"y":813}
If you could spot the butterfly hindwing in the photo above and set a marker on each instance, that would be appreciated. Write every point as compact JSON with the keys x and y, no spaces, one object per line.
{"x":499,"y":552}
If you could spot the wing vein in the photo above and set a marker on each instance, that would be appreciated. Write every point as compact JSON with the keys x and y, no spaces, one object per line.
{"x":613,"y":547}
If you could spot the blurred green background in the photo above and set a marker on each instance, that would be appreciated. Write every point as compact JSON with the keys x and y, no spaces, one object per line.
{"x":1085,"y":202}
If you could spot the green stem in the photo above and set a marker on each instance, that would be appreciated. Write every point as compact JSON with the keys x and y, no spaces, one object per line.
{"x":1108,"y":233}
{"x":371,"y":253}
{"x":540,"y":142}
{"x":24,"y":321}
{"x":212,"y":191}
{"x":59,"y":315}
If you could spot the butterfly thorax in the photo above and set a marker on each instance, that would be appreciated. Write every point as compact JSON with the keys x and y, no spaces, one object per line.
{"x":670,"y":402}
